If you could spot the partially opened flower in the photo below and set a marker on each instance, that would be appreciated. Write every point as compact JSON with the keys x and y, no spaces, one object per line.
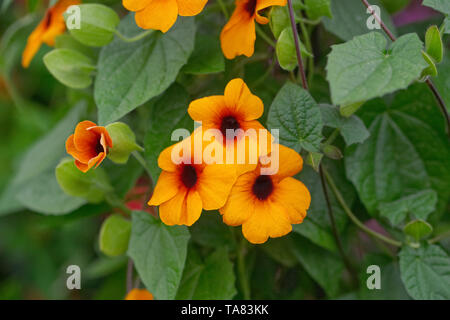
{"x":88,"y":145}
{"x":162,"y":14}
{"x":139,"y":294}
{"x":238,"y":36}
{"x":51,"y":25}
{"x":235,"y":112}
{"x":186,"y":185}
{"x":267,"y":205}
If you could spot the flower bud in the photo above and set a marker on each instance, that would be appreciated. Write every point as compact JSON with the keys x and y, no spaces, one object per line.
{"x":124,"y":142}
{"x":115,"y":235}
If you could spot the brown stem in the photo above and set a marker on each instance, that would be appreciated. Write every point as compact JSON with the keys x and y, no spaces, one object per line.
{"x":385,"y":29}
{"x":297,"y":45}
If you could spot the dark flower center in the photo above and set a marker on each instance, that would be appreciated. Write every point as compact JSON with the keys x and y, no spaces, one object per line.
{"x":229,"y":122}
{"x":250,"y":7}
{"x":98,"y":147}
{"x":262,"y":187}
{"x":189,"y":176}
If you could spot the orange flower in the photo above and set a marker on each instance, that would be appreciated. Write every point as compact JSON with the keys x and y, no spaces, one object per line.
{"x":267,"y":205}
{"x":88,"y":145}
{"x":238,"y":36}
{"x":51,"y":26}
{"x":139,"y":294}
{"x":237,"y":109}
{"x":162,"y":14}
{"x":186,"y":185}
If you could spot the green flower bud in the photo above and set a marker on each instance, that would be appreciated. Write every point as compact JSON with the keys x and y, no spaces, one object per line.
{"x":124,"y":142}
{"x":115,"y":235}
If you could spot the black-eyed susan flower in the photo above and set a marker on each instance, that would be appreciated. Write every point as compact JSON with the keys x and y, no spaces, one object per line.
{"x":51,"y":26}
{"x":88,"y":145}
{"x":237,"y":112}
{"x":139,"y":294}
{"x":187,"y":184}
{"x":238,"y":36}
{"x":162,"y":14}
{"x":266,"y":205}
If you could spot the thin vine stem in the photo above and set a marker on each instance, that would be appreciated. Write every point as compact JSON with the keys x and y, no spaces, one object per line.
{"x":344,"y":257}
{"x":428,"y":81}
{"x":243,"y":275}
{"x":355,"y":220}
{"x":135,"y":38}
{"x":265,"y":37}
{"x":297,"y":45}
{"x":224,"y":9}
{"x":439,"y":237}
{"x":307,"y":39}
{"x":129,"y":275}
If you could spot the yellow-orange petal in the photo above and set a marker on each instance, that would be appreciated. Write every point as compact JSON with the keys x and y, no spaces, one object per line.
{"x":34,"y":42}
{"x":139,"y":294}
{"x":165,"y":160}
{"x":214,"y":185}
{"x":269,"y":219}
{"x":190,"y":7}
{"x":208,"y":109}
{"x":238,"y":36}
{"x":263,"y":4}
{"x":295,"y":196}
{"x":290,"y":162}
{"x":239,"y":97}
{"x":159,"y":15}
{"x":240,"y":204}
{"x":166,"y":188}
{"x":135,"y":5}
{"x":172,"y":211}
{"x":193,"y":208}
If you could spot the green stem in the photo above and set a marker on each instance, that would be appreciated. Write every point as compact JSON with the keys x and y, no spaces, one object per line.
{"x":332,"y":136}
{"x":308,"y":46}
{"x":224,"y":9}
{"x":355,"y":220}
{"x":135,"y":38}
{"x":265,"y":37}
{"x":439,"y":237}
{"x":143,"y":163}
{"x":242,"y":270}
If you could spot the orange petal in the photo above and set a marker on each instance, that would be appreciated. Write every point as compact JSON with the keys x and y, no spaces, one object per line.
{"x":290,"y":162}
{"x":246,"y":104}
{"x":241,"y":202}
{"x":193,"y":208}
{"x":139,"y":294}
{"x":295,"y":196}
{"x":238,"y":36}
{"x":208,"y":109}
{"x":270,"y":219}
{"x":166,"y":188}
{"x":135,"y":5}
{"x":165,"y":159}
{"x":34,"y":42}
{"x":172,"y":211}
{"x":190,"y":7}
{"x":99,"y":130}
{"x":159,"y":15}
{"x":263,"y":4}
{"x":214,"y":185}
{"x":82,"y":166}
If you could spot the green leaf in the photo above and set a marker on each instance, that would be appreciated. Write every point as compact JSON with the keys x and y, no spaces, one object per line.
{"x":395,"y":5}
{"x":70,"y":67}
{"x":98,"y":24}
{"x":365,"y":68}
{"x":168,"y":113}
{"x":426,"y":272}
{"x":297,"y":117}
{"x":419,"y":204}
{"x":431,"y":69}
{"x":433,"y":44}
{"x":115,"y":235}
{"x":316,"y":9}
{"x":66,"y":41}
{"x":322,"y":266}
{"x":349,"y":19}
{"x":418,"y":229}
{"x":210,"y":231}
{"x":159,"y":254}
{"x":212,"y":279}
{"x":352,"y":129}
{"x":207,"y":56}
{"x":35,"y":161}
{"x":446,"y":27}
{"x":441,"y":81}
{"x":92,"y":185}
{"x":313,"y":159}
{"x":281,"y":250}
{"x":279,"y":20}
{"x":406,"y":137}
{"x":42,"y":194}
{"x":439,"y":5}
{"x":129,"y":74}
{"x":286,"y":52}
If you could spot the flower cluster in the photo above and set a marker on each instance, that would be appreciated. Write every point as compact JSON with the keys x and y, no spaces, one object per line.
{"x":266,"y":203}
